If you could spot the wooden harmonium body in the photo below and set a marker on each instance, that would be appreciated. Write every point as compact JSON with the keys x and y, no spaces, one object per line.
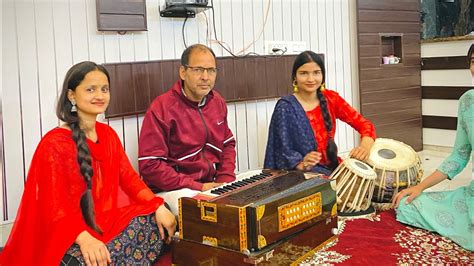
{"x":248,"y":219}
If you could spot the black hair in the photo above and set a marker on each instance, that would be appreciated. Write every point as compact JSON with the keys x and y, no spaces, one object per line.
{"x":187,"y":53}
{"x":73,"y":78}
{"x":308,"y":57}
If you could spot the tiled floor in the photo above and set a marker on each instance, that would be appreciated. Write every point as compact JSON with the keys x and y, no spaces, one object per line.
{"x":431,"y":159}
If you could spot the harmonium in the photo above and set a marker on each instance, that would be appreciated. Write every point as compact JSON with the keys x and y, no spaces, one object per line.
{"x":252,"y":214}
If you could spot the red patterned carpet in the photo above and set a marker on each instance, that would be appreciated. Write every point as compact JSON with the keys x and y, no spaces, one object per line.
{"x":381,"y":240}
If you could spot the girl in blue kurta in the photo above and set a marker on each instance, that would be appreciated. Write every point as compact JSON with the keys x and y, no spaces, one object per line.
{"x":303,"y":125}
{"x":449,"y":213}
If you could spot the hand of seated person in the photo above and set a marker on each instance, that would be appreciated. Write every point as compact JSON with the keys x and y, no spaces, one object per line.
{"x":411,"y":192}
{"x":207,"y":186}
{"x":363,"y":151}
{"x":93,"y":250}
{"x":359,"y":153}
{"x":165,"y":221}
{"x":310,"y":160}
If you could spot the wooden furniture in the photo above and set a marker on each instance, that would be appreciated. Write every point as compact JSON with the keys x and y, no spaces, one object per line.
{"x":134,"y":85}
{"x":121,"y":15}
{"x":288,"y":251}
{"x":390,"y":94}
{"x":247,"y":219}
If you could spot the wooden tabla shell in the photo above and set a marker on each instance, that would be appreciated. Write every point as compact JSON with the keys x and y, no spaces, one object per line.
{"x":355,"y":182}
{"x":397,"y":165}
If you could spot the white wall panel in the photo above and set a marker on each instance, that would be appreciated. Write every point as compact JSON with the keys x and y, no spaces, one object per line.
{"x":252,"y":134}
{"x":178,"y":39}
{"x":294,"y":8}
{"x":237,"y":30}
{"x":259,"y":9}
{"x":305,"y":23}
{"x":62,"y":40}
{"x":313,"y":26}
{"x":130,"y":132}
{"x":247,"y":26}
{"x":232,"y":122}
{"x":46,"y":65}
{"x":449,"y":77}
{"x":268,"y":31}
{"x":111,"y":47}
{"x":167,"y":33}
{"x":28,"y":74}
{"x":95,"y":39}
{"x":262,"y":131}
{"x":2,"y":148}
{"x":347,"y":88}
{"x":45,"y":37}
{"x":439,"y":137}
{"x":11,"y":111}
{"x":453,"y":48}
{"x":241,"y":132}
{"x":278,"y":20}
{"x":154,"y":30}
{"x":118,"y":125}
{"x":79,"y":30}
{"x":320,"y":31}
{"x":140,"y":45}
{"x":126,"y":48}
{"x":440,"y":107}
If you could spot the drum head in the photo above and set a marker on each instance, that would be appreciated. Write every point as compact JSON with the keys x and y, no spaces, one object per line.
{"x":392,"y":155}
{"x":360,"y":168}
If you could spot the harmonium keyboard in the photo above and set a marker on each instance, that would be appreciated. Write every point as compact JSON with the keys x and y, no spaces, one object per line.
{"x":258,"y":210}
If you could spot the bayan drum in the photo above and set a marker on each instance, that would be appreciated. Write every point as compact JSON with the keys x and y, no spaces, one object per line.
{"x":354,"y":185}
{"x":397,"y":166}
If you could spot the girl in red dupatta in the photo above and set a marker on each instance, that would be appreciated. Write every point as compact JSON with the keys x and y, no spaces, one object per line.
{"x":83,"y":201}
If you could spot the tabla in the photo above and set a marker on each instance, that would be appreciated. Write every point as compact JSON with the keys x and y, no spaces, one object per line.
{"x":397,"y":165}
{"x":354,"y":185}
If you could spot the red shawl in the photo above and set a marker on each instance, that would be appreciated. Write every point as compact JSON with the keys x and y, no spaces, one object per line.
{"x":49,"y":217}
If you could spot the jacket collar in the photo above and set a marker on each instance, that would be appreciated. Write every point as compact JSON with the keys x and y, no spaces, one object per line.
{"x":178,"y":89}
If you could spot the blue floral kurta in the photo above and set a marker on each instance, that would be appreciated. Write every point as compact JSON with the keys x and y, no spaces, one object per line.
{"x":449,"y":213}
{"x":294,"y":133}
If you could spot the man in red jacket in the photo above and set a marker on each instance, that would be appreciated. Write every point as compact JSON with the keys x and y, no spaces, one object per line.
{"x":185,"y":144}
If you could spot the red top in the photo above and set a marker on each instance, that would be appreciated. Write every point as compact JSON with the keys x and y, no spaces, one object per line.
{"x":338,"y":109}
{"x":49,"y":217}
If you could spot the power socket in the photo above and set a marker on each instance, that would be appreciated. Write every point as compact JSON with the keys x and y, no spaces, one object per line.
{"x":286,"y":47}
{"x":271,"y":46}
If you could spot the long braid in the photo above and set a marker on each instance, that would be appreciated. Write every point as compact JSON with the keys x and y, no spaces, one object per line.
{"x":85,"y":165}
{"x":331,"y":149}
{"x":73,"y":78}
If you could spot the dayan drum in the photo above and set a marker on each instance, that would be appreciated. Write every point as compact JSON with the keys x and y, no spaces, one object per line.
{"x":397,"y":166}
{"x":354,"y":185}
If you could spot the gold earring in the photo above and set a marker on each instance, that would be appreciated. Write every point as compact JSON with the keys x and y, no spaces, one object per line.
{"x":295,"y":87}
{"x":322,"y":88}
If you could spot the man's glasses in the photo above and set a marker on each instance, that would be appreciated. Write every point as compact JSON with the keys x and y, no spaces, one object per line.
{"x":200,"y":70}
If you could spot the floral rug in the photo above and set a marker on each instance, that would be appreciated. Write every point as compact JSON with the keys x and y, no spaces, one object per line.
{"x":381,"y":240}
